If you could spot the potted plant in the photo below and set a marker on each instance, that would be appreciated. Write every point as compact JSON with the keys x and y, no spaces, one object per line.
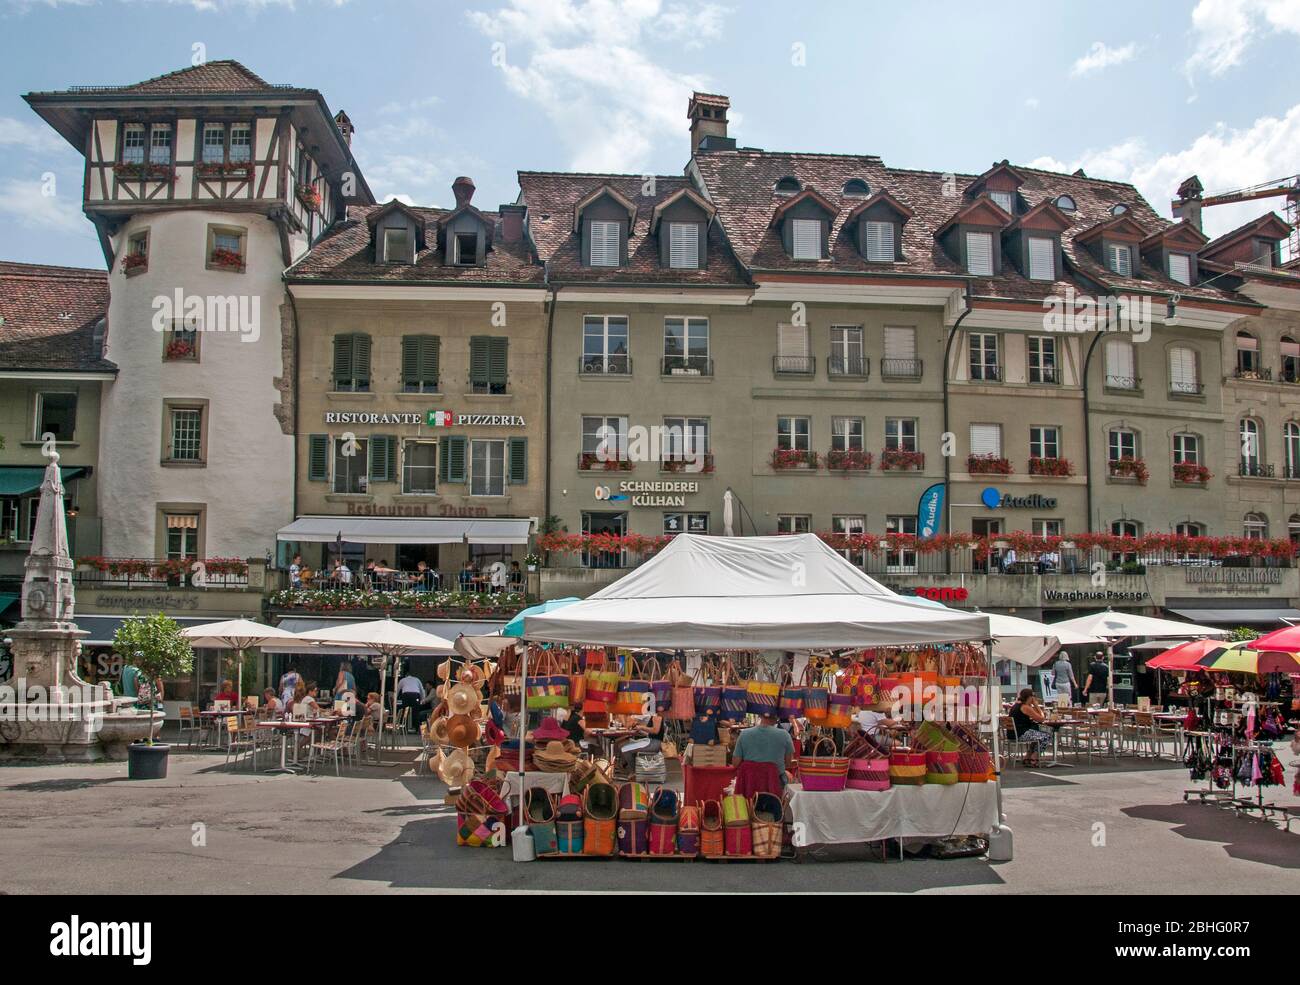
{"x":155,"y":647}
{"x":531,"y":561}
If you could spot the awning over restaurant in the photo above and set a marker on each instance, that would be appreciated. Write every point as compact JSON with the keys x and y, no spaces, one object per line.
{"x":405,"y":530}
{"x":448,"y":629}
{"x":18,"y":480}
{"x":102,"y":629}
{"x":1240,"y":617}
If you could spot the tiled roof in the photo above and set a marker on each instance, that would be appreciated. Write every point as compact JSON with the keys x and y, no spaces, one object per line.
{"x":1268,"y":218}
{"x":551,"y":197}
{"x":210,"y":77}
{"x":49,"y":316}
{"x":346,"y":252}
{"x":741,"y":184}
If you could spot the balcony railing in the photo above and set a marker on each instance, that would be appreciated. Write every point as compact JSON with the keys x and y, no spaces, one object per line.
{"x":794,"y":365}
{"x":984,"y":373}
{"x":1250,"y":469}
{"x":1248,"y":373}
{"x":901,"y":369}
{"x":687,"y":366}
{"x":1186,"y":389}
{"x":118,"y":572}
{"x":1123,"y":382}
{"x":848,"y":366}
{"x":615,"y":365}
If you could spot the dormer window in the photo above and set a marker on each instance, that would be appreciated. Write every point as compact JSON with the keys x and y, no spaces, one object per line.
{"x":806,"y":239}
{"x":604,"y":244}
{"x":1180,"y":268}
{"x":1065,"y":203}
{"x":1042,"y":257}
{"x":787,"y":186}
{"x":465,"y":249}
{"x":397,"y":245}
{"x":1005,"y":201}
{"x":1263,"y":253}
{"x":1118,"y":209}
{"x":879,"y":238}
{"x":684,"y":245}
{"x":979,"y":254}
{"x":856,"y":188}
{"x":1119,"y":259}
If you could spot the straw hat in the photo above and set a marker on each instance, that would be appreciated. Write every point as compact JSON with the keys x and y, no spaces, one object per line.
{"x":444,"y":669}
{"x":471,"y":674}
{"x":555,"y":758}
{"x":438,"y":731}
{"x":462,"y":731}
{"x":441,"y":690}
{"x":457,"y":769}
{"x":462,"y":699}
{"x":550,"y":730}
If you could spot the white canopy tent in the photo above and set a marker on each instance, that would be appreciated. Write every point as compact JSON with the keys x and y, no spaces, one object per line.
{"x":757,"y":593}
{"x":1112,"y":626}
{"x":238,"y":635}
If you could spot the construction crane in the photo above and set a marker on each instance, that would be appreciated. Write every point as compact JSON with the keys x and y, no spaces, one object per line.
{"x":1289,"y":187}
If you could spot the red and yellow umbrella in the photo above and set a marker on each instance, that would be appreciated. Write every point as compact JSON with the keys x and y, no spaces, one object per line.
{"x":1243,"y":657}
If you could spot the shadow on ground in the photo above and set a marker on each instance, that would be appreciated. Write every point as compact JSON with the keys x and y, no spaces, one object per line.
{"x":1243,"y":837}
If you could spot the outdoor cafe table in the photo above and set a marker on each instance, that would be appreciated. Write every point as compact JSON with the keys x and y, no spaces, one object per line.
{"x":1056,"y":724}
{"x":286,"y":727}
{"x":213,"y":715}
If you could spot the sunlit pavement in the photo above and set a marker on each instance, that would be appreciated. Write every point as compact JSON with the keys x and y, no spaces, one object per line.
{"x":88,"y":829}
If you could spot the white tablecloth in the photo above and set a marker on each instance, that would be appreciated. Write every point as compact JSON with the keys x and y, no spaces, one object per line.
{"x":928,"y":811}
{"x":556,"y":784}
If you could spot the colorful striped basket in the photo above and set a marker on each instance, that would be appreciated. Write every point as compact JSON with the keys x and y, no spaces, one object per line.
{"x":941,"y":766}
{"x":824,"y":771}
{"x":906,"y":767}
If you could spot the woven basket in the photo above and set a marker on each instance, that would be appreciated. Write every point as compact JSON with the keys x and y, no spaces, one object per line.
{"x":906,"y":768}
{"x":941,"y":766}
{"x":821,"y":771}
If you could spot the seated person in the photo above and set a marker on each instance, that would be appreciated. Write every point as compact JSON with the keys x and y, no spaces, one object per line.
{"x":762,"y":750}
{"x":1009,"y":560}
{"x":272,"y":706}
{"x":516,"y":577}
{"x":1027,"y":716}
{"x":649,"y":738}
{"x":466,"y":577}
{"x":875,"y":723}
{"x":227,"y":693}
{"x":426,"y":579}
{"x":309,"y":699}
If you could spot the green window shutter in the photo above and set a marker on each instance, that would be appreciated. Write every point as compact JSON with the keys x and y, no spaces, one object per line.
{"x":392,"y":458}
{"x":497,"y":351}
{"x":518,"y":451}
{"x":318,"y":457}
{"x":451,"y":459}
{"x":342,"y":361}
{"x":383,"y":455}
{"x":478,"y":358}
{"x":410,"y":362}
{"x":430,"y":350}
{"x":361,"y":360}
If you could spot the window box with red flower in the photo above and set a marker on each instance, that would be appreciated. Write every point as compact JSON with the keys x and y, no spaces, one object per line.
{"x":230,"y":169}
{"x":988,"y":464}
{"x":221,"y":257}
{"x":1129,"y":468}
{"x":591,"y":461}
{"x":901,"y":460}
{"x":785,"y":459}
{"x":309,"y":197}
{"x":848,"y":460}
{"x":135,"y":263}
{"x":1191,"y":473}
{"x":687,"y":465}
{"x":151,"y":172}
{"x":180,"y":349}
{"x":1056,"y":467}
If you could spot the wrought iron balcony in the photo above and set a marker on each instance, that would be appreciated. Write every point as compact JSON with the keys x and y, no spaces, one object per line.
{"x":855,"y":367}
{"x":612,"y":365}
{"x":794,"y":365}
{"x":901,"y":369}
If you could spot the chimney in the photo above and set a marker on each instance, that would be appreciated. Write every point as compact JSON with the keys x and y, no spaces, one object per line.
{"x":463,"y":189}
{"x":512,"y":223}
{"x":345,"y":127}
{"x":708,"y":115}
{"x":1188,"y":203}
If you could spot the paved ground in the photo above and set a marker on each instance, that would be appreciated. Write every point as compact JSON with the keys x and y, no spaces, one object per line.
{"x":87,"y":829}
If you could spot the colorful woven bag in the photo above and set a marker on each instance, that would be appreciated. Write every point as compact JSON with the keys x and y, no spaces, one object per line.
{"x":633,"y":835}
{"x":762,"y":693}
{"x":738,"y":840}
{"x":868,"y":766}
{"x":599,"y":826}
{"x":839,"y":713}
{"x":479,"y":831}
{"x":790,"y":703}
{"x":906,"y":767}
{"x":941,"y":766}
{"x":766,"y":825}
{"x":712,"y":843}
{"x":688,"y":831}
{"x":815,"y":697}
{"x":633,"y":801}
{"x":735,"y":809}
{"x":633,"y":692}
{"x":821,"y":769}
{"x":602,"y":684}
{"x":707,"y":695}
{"x":664,"y":814}
{"x":682,"y":708}
{"x":660,"y":686}
{"x":734,"y":701}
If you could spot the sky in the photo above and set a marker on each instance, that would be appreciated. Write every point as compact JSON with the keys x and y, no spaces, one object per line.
{"x":1142,"y":92}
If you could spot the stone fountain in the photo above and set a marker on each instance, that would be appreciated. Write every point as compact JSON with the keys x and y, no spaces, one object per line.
{"x":47,"y":712}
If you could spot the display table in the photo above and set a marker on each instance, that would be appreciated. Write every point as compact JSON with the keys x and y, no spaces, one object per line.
{"x":705,"y":782}
{"x":931,"y":810}
{"x":556,"y":784}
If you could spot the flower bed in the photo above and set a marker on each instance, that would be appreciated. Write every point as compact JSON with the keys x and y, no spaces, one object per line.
{"x":567,"y":543}
{"x":1059,"y":467}
{"x":793,"y":458}
{"x":592,"y":462}
{"x":1192,"y":473}
{"x":1129,"y":468}
{"x":426,"y":603}
{"x":901,"y":460}
{"x":988,"y":465}
{"x":848,"y":461}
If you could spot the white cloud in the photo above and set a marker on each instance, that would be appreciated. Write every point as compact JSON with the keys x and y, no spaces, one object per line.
{"x":1101,"y":56}
{"x":1223,"y":30}
{"x":23,"y":202}
{"x":399,"y":161}
{"x":588,"y":65}
{"x":1223,"y":157}
{"x":1031,"y":102}
{"x":35,"y":138}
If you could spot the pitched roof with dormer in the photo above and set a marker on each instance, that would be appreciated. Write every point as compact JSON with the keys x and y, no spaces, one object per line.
{"x":49,"y":318}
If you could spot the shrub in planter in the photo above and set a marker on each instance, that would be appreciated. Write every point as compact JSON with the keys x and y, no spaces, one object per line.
{"x":1059,"y":467}
{"x":1191,"y":472}
{"x":848,"y":461}
{"x":793,"y":458}
{"x":901,"y":460}
{"x":156,"y":648}
{"x":1129,"y":467}
{"x":988,"y":465}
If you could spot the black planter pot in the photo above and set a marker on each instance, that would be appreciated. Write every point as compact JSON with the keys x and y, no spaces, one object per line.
{"x":146,"y":762}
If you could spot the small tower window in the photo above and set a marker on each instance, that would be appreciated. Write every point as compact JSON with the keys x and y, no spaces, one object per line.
{"x":1065,"y":203}
{"x":856,"y":188}
{"x":466,"y":247}
{"x":787,"y":186}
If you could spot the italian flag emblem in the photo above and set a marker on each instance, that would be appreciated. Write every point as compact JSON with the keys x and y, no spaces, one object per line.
{"x":439,"y":418}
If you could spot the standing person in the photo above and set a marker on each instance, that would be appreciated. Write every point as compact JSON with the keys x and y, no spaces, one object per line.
{"x":516,"y":577}
{"x":295,"y":572}
{"x":1063,"y":676}
{"x":409,"y":692}
{"x":1098,"y":677}
{"x":289,"y":683}
{"x":763,"y":757}
{"x":344,"y":681}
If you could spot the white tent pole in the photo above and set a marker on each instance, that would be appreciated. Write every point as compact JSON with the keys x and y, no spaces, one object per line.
{"x":1110,"y":673}
{"x":995,"y":715}
{"x":383,"y":686}
{"x":523,"y":726}
{"x":239,"y":676}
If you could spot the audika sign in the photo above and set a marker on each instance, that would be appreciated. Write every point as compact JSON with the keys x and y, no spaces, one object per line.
{"x":993,"y":499}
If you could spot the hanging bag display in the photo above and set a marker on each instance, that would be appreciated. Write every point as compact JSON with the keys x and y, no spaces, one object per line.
{"x":682,"y":708}
{"x":708,"y":693}
{"x":839,"y":711}
{"x":822,"y":770}
{"x":546,"y":687}
{"x":660,"y":687}
{"x":815,"y":696}
{"x":602,"y":682}
{"x":790,"y":704}
{"x":762,"y":691}
{"x":633,"y":692}
{"x":734,"y":700}
{"x":577,"y":681}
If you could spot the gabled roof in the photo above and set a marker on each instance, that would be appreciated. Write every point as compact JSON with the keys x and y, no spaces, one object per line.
{"x":881,"y":197}
{"x":1181,"y":233}
{"x":1000,"y":167}
{"x":595,"y":196}
{"x":1268,"y":226}
{"x":224,"y":75}
{"x":981,"y":212}
{"x":1122,"y":226}
{"x":685,"y":192}
{"x":48,"y":318}
{"x":809,"y":194}
{"x":1045,"y":215}
{"x":393,"y":205}
{"x":467,"y":209}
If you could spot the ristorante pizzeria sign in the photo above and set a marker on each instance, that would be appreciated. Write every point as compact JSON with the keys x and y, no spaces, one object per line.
{"x":433,"y":418}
